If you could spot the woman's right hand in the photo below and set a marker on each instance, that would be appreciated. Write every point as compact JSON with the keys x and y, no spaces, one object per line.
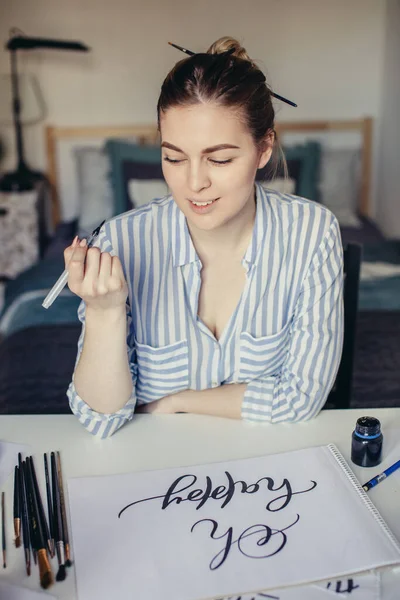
{"x":99,"y":281}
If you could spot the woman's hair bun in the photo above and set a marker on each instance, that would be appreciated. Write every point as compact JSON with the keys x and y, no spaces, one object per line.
{"x":225,"y":44}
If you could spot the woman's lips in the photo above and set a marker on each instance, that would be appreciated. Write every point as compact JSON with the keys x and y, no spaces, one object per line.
{"x":203,"y":209}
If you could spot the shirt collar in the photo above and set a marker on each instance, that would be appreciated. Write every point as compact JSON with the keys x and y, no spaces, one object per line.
{"x":183,"y":250}
{"x":258,"y":227}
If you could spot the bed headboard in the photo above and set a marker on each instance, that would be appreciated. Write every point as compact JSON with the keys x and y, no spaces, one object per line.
{"x":148,"y":134}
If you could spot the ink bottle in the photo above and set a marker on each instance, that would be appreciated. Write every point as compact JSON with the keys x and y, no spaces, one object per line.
{"x":367,"y":439}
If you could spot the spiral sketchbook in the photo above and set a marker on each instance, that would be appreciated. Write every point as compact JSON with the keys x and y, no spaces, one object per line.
{"x":225,"y":529}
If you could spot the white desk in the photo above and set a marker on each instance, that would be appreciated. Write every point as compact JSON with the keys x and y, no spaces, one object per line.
{"x":154,"y":442}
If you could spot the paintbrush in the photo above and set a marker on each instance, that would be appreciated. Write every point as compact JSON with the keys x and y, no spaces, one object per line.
{"x":25,"y":519}
{"x":17,"y":509}
{"x":49,"y":505}
{"x":39,"y":542}
{"x":3,"y":529}
{"x":42,"y":516}
{"x":58,"y":537}
{"x":68,"y":562}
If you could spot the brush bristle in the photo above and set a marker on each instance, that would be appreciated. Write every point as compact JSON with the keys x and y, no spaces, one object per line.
{"x":45,"y":572}
{"x":18,"y":542}
{"x":61,"y":575}
{"x":68,"y":563}
{"x":47,"y":580}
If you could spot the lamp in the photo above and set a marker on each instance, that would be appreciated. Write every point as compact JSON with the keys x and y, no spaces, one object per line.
{"x":24,"y":178}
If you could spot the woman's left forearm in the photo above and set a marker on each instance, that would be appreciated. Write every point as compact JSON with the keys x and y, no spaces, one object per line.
{"x":223,"y":401}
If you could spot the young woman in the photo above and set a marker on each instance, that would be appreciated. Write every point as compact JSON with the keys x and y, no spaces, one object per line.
{"x":222,"y":299}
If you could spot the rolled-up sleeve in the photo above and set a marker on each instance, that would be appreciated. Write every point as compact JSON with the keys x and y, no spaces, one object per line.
{"x":102,"y":424}
{"x":99,"y":424}
{"x":300,"y":389}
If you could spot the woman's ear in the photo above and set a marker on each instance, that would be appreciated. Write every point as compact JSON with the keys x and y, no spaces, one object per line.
{"x":266,"y":149}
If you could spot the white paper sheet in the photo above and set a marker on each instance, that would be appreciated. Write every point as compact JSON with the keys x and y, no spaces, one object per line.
{"x":14,"y":592}
{"x":187,"y":533}
{"x":9,"y":458}
{"x":362,"y":587}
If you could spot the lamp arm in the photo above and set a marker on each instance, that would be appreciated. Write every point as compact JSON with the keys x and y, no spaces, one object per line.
{"x":16,"y":108}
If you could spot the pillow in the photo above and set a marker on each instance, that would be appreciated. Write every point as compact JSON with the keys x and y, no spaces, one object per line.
{"x":294,"y":166}
{"x":142,"y":191}
{"x":68,"y":182}
{"x":131,"y":161}
{"x":280,"y":184}
{"x":309,"y":154}
{"x":339,"y":186}
{"x":303,"y":162}
{"x":96,"y":199}
{"x":143,"y":182}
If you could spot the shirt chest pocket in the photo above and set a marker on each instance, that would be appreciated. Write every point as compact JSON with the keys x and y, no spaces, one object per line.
{"x":162,"y":370}
{"x":263,"y":356}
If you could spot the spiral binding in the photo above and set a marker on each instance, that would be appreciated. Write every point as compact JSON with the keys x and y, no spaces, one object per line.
{"x":363,"y":495}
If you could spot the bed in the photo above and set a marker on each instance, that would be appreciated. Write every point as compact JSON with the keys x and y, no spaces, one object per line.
{"x":96,"y":172}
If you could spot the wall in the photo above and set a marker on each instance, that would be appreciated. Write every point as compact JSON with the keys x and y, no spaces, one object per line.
{"x":388,"y":190}
{"x":327,"y":55}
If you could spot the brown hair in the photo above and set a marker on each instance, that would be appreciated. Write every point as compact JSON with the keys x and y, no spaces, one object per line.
{"x":226,"y":75}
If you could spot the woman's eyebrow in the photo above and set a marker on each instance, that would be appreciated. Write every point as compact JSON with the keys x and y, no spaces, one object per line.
{"x":205,"y":151}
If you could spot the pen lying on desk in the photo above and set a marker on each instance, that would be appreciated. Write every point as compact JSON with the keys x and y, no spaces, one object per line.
{"x":3,"y":529}
{"x":24,"y":515}
{"x":378,"y":478}
{"x":49,"y":504}
{"x":64,"y":522}
{"x":58,"y":528}
{"x":63,"y":279}
{"x":17,"y":509}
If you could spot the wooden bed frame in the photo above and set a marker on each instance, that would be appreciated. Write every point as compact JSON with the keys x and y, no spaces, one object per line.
{"x":147,"y":134}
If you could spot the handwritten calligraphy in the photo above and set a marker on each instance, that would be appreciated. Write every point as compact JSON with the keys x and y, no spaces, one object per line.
{"x":260,"y":535}
{"x":182,"y":490}
{"x":338,"y":587}
{"x":256,"y":597}
{"x":335,"y":587}
{"x":259,"y":541}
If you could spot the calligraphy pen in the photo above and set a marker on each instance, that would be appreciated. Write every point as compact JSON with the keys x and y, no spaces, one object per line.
{"x":49,"y":504}
{"x":3,"y":528}
{"x":378,"y":478}
{"x":63,"y":279}
{"x":24,"y":513}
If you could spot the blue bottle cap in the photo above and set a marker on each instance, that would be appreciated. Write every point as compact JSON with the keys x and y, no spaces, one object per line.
{"x":368,"y":427}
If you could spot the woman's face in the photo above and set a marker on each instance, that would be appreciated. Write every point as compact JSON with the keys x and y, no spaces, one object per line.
{"x":208,"y":155}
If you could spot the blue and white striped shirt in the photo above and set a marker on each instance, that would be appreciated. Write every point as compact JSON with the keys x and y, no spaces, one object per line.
{"x":284,"y":338}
